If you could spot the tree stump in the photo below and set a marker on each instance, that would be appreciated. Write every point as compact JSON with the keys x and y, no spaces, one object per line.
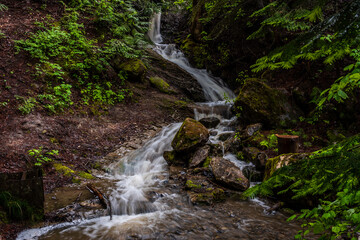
{"x":287,"y":143}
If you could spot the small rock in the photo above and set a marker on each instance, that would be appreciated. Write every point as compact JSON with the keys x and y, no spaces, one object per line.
{"x":210,"y":122}
{"x":253,"y":128}
{"x":213,"y":133}
{"x":225,"y":136}
{"x":133,"y":145}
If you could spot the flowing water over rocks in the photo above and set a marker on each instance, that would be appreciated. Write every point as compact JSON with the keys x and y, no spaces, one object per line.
{"x":148,"y":204}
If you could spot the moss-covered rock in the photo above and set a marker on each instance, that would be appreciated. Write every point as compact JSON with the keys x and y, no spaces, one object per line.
{"x":160,"y":84}
{"x":191,"y":135}
{"x":275,"y":163}
{"x":208,"y":197}
{"x":135,"y":69}
{"x":262,"y":104}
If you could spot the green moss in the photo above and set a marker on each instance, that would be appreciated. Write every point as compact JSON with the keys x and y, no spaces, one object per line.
{"x":207,"y":162}
{"x":66,"y":171}
{"x":190,"y":135}
{"x":190,"y":185}
{"x":275,"y":163}
{"x":135,"y":66}
{"x":76,"y":180}
{"x":85,"y":175}
{"x":180,"y":104}
{"x":160,"y":84}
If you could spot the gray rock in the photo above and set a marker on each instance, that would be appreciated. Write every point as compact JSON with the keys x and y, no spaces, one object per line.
{"x":228,"y":174}
{"x":199,"y":156}
{"x":251,"y":129}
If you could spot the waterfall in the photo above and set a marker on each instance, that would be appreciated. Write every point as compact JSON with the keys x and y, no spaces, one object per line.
{"x":154,"y":32}
{"x":214,"y":88}
{"x":139,"y":172}
{"x":144,"y":173}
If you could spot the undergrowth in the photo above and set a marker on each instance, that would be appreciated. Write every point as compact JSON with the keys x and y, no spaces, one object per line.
{"x":68,"y":60}
{"x":331,"y":175}
{"x":17,"y":209}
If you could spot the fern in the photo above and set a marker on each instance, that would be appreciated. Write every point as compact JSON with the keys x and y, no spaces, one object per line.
{"x":330,"y":174}
{"x":3,"y":7}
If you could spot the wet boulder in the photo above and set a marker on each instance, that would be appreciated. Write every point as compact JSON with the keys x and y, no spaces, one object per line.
{"x":210,"y":122}
{"x":264,"y":104}
{"x":191,"y":136}
{"x":228,"y":174}
{"x":199,"y":156}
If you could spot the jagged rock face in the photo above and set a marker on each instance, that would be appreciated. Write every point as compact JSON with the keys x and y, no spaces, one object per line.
{"x":175,"y":76}
{"x":199,"y":156}
{"x":191,"y":135}
{"x":228,"y":174}
{"x":263,"y":104}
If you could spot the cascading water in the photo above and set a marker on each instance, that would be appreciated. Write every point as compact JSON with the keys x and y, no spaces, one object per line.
{"x":146,"y":205}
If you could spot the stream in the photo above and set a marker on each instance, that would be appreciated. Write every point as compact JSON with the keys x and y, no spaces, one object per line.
{"x":148,"y":204}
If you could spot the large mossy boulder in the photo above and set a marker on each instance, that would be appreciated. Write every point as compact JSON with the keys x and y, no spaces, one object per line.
{"x":160,"y":84}
{"x":134,"y":68}
{"x":191,"y":136}
{"x":228,"y":174}
{"x":275,"y":163}
{"x":259,"y":103}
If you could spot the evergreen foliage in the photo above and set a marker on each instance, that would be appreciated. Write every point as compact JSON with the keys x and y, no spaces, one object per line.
{"x":330,"y":174}
{"x":317,"y":37}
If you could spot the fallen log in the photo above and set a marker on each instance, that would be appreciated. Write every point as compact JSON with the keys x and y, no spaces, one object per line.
{"x":98,"y":194}
{"x":105,"y":203}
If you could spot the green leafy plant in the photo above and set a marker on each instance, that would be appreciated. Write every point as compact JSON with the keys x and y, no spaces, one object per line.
{"x":3,"y":7}
{"x":330,"y":174}
{"x":270,"y":142}
{"x":102,"y":95}
{"x":59,"y":100}
{"x":28,"y":104}
{"x":42,"y":157}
